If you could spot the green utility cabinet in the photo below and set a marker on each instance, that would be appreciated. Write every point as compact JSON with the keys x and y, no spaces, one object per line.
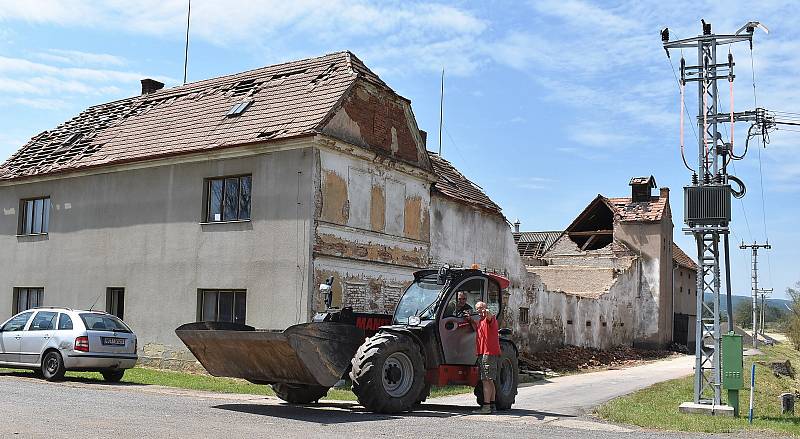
{"x":732,"y":368}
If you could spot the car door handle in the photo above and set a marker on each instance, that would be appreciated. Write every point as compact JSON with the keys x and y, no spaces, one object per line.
{"x":17,"y":337}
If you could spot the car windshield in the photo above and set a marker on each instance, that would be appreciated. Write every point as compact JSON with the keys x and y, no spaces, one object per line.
{"x":418,"y":298}
{"x":103,"y":322}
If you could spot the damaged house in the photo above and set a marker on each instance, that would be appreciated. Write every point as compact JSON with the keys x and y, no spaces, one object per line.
{"x":612,"y":273}
{"x":232,"y":199}
{"x":228,"y":199}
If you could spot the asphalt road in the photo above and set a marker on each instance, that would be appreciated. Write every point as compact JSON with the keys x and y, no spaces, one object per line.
{"x":32,"y":408}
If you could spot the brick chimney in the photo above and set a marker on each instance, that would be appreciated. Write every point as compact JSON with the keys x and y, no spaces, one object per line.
{"x":151,"y":86}
{"x":640,"y":188}
{"x":516,"y":226}
{"x":664,"y":192}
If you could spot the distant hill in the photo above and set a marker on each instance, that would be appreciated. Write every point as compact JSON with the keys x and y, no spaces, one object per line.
{"x":782,"y":304}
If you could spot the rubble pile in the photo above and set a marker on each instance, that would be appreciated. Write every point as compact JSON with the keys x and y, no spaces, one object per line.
{"x":575,"y":358}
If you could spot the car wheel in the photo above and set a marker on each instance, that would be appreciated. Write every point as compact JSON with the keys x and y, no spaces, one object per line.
{"x":53,"y":366}
{"x":113,"y":376}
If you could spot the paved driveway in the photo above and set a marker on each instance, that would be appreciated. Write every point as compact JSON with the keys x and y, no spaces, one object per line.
{"x":579,"y":394}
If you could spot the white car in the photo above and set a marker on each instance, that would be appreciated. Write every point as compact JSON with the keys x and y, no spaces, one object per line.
{"x":54,"y":340}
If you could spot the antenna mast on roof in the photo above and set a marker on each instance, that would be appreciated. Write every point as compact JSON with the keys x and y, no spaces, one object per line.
{"x":186,"y":51}
{"x":441,"y":114}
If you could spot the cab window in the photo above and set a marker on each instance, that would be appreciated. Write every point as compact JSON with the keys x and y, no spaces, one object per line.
{"x":44,"y":321}
{"x":64,"y":322}
{"x":18,"y":322}
{"x":462,"y":301}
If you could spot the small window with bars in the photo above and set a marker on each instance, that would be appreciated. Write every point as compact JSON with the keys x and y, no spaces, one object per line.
{"x":524,"y":316}
{"x":35,"y":216}
{"x":222,"y":306}
{"x":27,"y":298}
{"x":228,"y":198}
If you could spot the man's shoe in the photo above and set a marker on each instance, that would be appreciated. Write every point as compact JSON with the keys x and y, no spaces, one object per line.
{"x":485,"y":409}
{"x":494,"y":408}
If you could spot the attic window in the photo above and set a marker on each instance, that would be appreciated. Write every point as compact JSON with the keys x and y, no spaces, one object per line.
{"x":239,"y":108}
{"x":594,"y":228}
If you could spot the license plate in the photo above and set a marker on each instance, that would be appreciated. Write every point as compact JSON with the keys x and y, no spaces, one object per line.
{"x":113,"y":341}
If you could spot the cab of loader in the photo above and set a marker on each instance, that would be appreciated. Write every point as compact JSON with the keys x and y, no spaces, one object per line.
{"x":431,"y":343}
{"x":431,"y":307}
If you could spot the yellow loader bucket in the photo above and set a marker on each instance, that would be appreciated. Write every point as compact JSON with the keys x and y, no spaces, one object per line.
{"x":310,"y":353}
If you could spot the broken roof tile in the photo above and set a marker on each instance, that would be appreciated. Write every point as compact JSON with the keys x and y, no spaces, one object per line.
{"x":455,"y":185}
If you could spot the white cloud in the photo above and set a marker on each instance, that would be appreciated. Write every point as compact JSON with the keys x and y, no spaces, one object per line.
{"x":81,"y":58}
{"x":532,"y":183}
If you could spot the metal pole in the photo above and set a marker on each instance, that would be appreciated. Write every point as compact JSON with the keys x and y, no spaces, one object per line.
{"x":441,"y":114}
{"x":186,"y":52}
{"x":704,"y":222}
{"x":754,"y":275}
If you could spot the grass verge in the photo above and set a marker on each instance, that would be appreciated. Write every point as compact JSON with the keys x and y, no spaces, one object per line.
{"x":191,"y":381}
{"x":657,"y":406}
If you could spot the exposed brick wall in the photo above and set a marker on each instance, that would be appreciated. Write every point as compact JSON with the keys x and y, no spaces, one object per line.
{"x":378,"y":120}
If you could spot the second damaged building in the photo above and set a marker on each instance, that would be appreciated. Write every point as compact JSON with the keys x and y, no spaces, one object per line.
{"x":608,"y":278}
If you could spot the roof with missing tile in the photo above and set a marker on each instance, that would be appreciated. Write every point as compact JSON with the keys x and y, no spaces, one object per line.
{"x":534,"y":244}
{"x":288,"y":100}
{"x":682,"y":259}
{"x":640,"y":211}
{"x":455,"y":185}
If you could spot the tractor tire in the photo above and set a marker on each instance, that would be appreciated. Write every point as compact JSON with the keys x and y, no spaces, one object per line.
{"x":389,"y":374}
{"x":426,"y":392}
{"x":299,"y":393}
{"x":508,"y":379}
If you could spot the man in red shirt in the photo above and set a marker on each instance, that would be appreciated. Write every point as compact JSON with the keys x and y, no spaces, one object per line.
{"x":488,"y":350}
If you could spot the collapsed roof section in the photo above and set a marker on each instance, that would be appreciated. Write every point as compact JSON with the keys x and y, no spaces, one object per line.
{"x":534,"y":244}
{"x":282,"y":101}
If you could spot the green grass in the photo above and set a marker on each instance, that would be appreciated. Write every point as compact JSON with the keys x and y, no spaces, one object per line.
{"x":657,"y":406}
{"x":191,"y":381}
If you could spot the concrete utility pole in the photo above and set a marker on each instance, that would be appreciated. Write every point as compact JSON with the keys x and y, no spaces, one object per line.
{"x":707,"y":211}
{"x":756,"y":291}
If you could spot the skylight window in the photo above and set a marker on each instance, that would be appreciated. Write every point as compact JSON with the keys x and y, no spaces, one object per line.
{"x":239,"y":108}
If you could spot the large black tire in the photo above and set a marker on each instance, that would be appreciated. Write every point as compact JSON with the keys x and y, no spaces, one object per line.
{"x":113,"y":376}
{"x":389,"y":374}
{"x":426,"y":392}
{"x":53,"y":366}
{"x":508,"y":379}
{"x":299,"y":393}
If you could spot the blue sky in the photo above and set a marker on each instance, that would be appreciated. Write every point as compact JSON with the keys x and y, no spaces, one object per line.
{"x":547,"y":103}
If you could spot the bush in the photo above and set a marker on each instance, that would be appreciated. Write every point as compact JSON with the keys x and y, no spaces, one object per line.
{"x":794,"y":317}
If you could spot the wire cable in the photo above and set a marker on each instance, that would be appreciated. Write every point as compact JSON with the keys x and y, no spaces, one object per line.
{"x":684,"y":110}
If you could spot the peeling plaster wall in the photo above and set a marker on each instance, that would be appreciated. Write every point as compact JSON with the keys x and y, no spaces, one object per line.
{"x":142,"y":229}
{"x":372,"y":231}
{"x":462,"y":235}
{"x":653,"y":242}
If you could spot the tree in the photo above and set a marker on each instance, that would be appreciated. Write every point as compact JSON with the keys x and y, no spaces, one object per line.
{"x":743,"y":314}
{"x":794,"y":316}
